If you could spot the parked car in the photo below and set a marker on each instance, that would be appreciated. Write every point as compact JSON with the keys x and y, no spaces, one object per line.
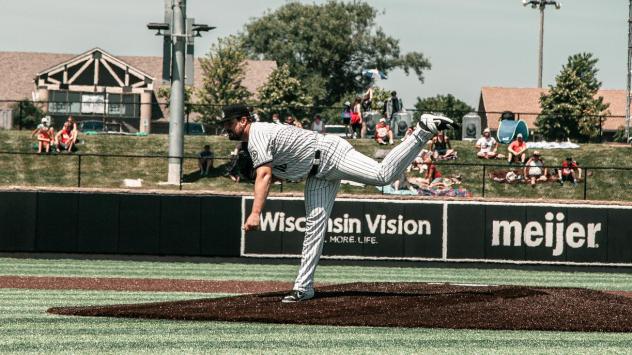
{"x":91,"y":126}
{"x":194,"y":129}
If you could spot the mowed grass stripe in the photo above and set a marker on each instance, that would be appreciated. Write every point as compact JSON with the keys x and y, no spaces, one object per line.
{"x":324,"y":274}
{"x":42,"y":332}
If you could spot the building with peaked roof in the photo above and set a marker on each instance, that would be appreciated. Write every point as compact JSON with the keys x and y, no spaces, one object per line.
{"x":99,"y":85}
{"x":525,"y":103}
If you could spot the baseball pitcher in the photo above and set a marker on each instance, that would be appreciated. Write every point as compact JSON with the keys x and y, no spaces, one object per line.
{"x":293,"y":153}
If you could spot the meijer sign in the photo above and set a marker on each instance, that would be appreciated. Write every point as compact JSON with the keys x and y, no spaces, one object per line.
{"x":462,"y":231}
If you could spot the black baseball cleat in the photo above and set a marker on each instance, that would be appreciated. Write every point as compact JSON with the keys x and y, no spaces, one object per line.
{"x":434,"y":123}
{"x":298,"y":296}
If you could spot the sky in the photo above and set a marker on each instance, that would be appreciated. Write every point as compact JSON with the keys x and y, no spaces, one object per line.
{"x":470,"y":43}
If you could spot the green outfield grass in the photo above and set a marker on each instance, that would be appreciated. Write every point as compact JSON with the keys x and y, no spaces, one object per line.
{"x":25,"y":327}
{"x":61,"y":170}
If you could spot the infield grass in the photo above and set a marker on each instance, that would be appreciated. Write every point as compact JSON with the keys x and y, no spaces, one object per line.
{"x":26,"y":327}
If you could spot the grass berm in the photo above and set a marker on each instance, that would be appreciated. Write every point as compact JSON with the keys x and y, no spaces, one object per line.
{"x":109,"y":172}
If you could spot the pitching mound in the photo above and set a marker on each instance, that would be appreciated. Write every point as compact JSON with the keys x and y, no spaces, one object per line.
{"x":402,"y":305}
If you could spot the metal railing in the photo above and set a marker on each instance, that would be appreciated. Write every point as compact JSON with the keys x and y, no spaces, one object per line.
{"x":485,"y":187}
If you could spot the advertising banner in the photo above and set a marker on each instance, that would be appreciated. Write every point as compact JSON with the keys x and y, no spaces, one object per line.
{"x":539,"y":233}
{"x":356,"y":228}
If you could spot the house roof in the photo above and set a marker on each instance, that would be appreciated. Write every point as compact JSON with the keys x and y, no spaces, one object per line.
{"x":525,"y":102}
{"x":18,"y":70}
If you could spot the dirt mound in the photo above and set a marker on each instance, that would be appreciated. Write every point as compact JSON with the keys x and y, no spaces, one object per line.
{"x":402,"y":305}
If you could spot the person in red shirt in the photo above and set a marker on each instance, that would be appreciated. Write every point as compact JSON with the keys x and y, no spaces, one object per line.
{"x":570,"y":172}
{"x":383,"y":132}
{"x":517,"y":151}
{"x":65,"y":138}
{"x":431,"y":172}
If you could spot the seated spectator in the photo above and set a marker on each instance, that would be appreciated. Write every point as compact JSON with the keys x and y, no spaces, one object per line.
{"x":534,"y":169}
{"x":45,"y":135}
{"x":64,"y":139}
{"x":517,"y":150}
{"x":74,"y":130}
{"x":383,"y":132}
{"x":318,"y":125}
{"x":570,"y":172}
{"x":487,"y":146}
{"x":441,"y":147}
{"x":408,"y":133}
{"x":431,"y":170}
{"x":205,"y":160}
{"x":240,"y":167}
{"x":275,"y":118}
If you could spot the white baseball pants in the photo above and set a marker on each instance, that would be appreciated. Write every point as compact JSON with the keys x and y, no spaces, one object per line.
{"x":320,"y":193}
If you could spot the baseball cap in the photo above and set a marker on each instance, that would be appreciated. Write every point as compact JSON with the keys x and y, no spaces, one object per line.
{"x":230,"y":112}
{"x":536,"y":152}
{"x":487,"y":130}
{"x":519,"y":135}
{"x":382,"y":119}
{"x":569,"y":158}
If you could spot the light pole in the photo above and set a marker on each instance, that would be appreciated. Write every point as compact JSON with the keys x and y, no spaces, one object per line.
{"x":179,"y":34}
{"x":541,"y":4}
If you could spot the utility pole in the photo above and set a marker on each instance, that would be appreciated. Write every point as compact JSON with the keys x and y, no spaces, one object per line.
{"x":178,"y":35}
{"x":541,"y":4}
{"x":628,"y":89}
{"x":176,"y":102}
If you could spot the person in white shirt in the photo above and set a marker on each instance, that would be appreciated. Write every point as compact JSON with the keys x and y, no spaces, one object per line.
{"x":487,"y":146}
{"x":318,"y":125}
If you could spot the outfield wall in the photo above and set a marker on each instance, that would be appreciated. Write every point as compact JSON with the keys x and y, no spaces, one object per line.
{"x":210,"y":225}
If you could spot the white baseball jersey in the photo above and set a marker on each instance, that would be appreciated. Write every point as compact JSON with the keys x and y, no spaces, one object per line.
{"x":291,"y":151}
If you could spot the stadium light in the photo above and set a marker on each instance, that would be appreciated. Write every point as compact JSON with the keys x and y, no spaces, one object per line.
{"x":541,"y":4}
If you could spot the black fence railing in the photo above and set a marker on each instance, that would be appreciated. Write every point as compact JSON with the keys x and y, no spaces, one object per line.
{"x":110,"y":170}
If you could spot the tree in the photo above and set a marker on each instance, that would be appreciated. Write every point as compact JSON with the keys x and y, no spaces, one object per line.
{"x":26,"y":114}
{"x":326,"y":46}
{"x":447,"y":105}
{"x":570,"y":109}
{"x":223,"y":70}
{"x":165,"y":94}
{"x":283,"y":94}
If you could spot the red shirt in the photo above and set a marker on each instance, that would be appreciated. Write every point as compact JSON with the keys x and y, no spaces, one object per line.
{"x":566,"y":168}
{"x":516,"y":146}
{"x":381,"y":130}
{"x":433,"y":173}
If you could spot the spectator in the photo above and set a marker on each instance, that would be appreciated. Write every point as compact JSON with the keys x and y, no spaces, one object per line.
{"x":64,"y":140}
{"x":346,"y":117}
{"x":487,"y":146}
{"x":392,"y":105}
{"x":289,"y":120}
{"x":275,"y":118}
{"x":356,"y":118}
{"x":75,"y":131}
{"x":205,"y":160}
{"x":318,"y":125}
{"x":45,"y":135}
{"x":240,"y":166}
{"x":570,"y":172}
{"x":367,"y":98}
{"x":441,"y":147}
{"x":298,"y":124}
{"x":383,"y":132}
{"x":534,"y":169}
{"x":431,"y":170}
{"x":517,"y":150}
{"x":408,"y":133}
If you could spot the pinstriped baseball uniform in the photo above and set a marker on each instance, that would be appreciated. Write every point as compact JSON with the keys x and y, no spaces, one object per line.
{"x":291,"y":152}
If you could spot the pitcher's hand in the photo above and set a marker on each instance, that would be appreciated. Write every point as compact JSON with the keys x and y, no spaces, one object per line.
{"x":252,"y":222}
